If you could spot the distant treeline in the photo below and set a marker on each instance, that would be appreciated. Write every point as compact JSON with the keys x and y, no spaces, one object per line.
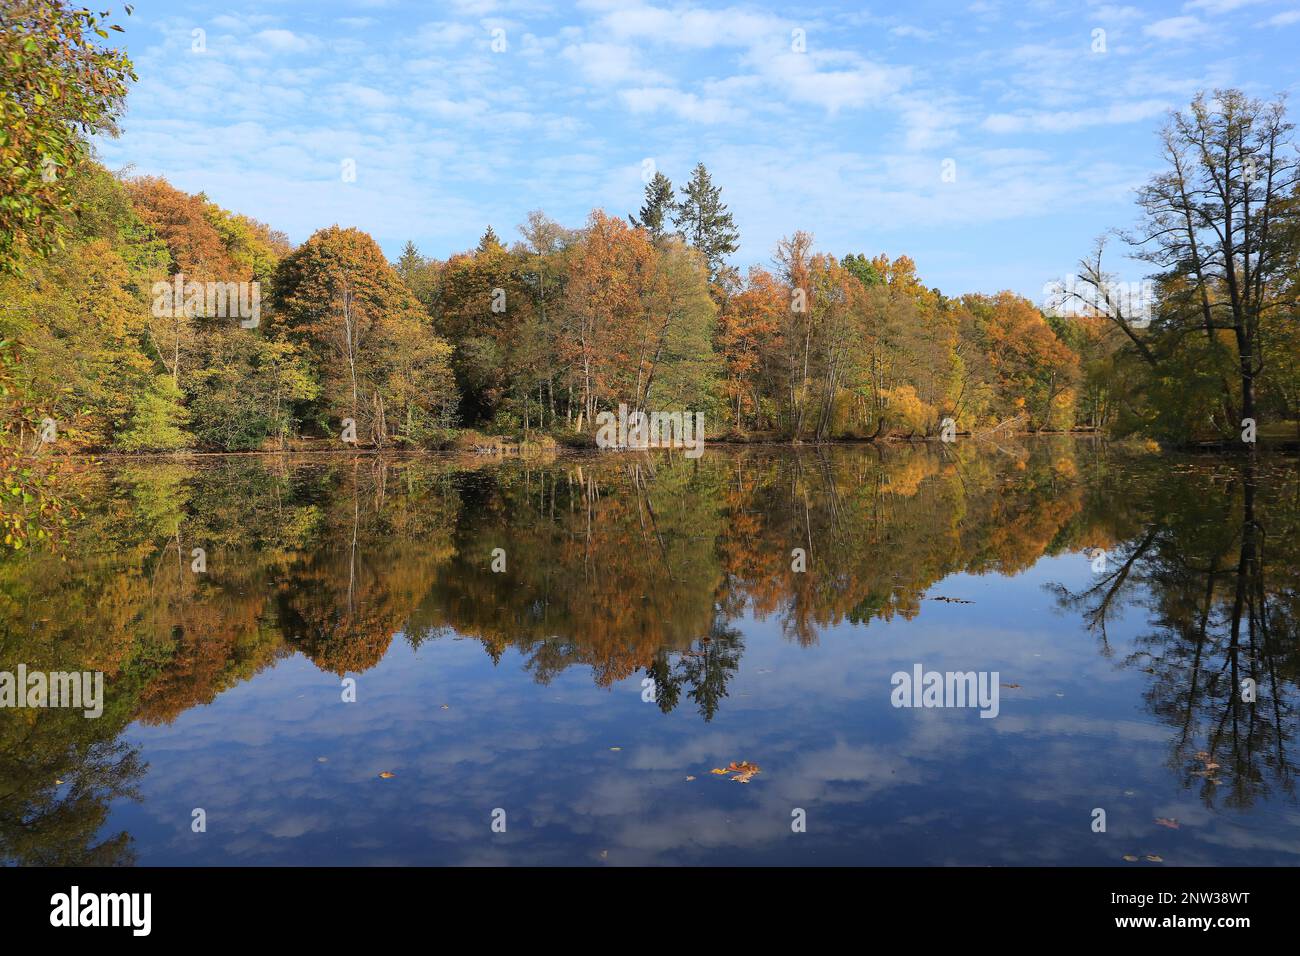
{"x":537,"y":336}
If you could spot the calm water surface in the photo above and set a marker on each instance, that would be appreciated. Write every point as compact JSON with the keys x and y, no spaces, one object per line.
{"x":647,"y":628}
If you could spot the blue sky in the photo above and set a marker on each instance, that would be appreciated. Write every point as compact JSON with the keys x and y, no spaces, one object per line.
{"x":846,"y":138}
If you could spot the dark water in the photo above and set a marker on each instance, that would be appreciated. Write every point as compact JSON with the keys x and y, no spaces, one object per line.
{"x":632,"y":577}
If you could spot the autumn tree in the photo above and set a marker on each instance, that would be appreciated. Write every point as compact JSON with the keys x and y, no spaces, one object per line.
{"x":1219,"y":226}
{"x":1034,"y":372}
{"x":602,"y":303}
{"x":80,"y":313}
{"x":1217,"y":216}
{"x":747,"y":325}
{"x":59,"y":86}
{"x":338,"y":295}
{"x":673,"y":342}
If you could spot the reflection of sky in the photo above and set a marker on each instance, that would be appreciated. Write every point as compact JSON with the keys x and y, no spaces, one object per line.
{"x":880,"y":786}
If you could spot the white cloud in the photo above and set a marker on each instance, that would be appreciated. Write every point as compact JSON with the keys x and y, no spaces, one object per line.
{"x":1176,"y":28}
{"x":1219,"y":6}
{"x":356,"y":96}
{"x":916,"y":33}
{"x":1283,"y":19}
{"x":856,"y":83}
{"x":1064,"y":121}
{"x":247,"y":21}
{"x":1112,"y":13}
{"x":285,"y":41}
{"x":687,"y":106}
{"x":610,"y":63}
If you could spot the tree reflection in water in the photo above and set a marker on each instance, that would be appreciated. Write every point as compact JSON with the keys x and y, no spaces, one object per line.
{"x":1211,"y":553}
{"x":625,"y":566}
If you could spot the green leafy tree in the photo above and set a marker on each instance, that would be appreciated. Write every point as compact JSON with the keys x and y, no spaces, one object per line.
{"x":58,"y":86}
{"x":157,"y":420}
{"x":862,"y":269}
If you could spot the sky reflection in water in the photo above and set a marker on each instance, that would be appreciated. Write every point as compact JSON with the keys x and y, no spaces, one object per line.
{"x":482,"y":690}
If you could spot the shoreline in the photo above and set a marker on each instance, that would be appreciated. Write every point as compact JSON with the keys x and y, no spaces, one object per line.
{"x":1231,"y":449}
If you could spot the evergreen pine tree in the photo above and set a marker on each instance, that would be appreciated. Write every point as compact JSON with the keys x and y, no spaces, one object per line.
{"x":660,"y":204}
{"x":703,"y":220}
{"x":409,"y":262}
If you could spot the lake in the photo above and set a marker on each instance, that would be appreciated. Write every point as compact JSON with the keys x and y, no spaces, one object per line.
{"x":435,"y":660}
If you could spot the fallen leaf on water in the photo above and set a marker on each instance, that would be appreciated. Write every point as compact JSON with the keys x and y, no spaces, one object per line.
{"x":1169,"y":822}
{"x":690,"y":778}
{"x":385,"y":775}
{"x":1130,"y":858}
{"x":616,"y":748}
{"x":1152,"y":858}
{"x":743,"y":771}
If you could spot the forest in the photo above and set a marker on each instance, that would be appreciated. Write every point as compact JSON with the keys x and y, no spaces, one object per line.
{"x":528,"y":339}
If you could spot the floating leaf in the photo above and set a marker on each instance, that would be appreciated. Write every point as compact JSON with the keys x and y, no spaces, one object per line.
{"x":1152,"y":858}
{"x":1130,"y":858}
{"x":1169,"y":822}
{"x":743,"y":771}
{"x":386,"y":775}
